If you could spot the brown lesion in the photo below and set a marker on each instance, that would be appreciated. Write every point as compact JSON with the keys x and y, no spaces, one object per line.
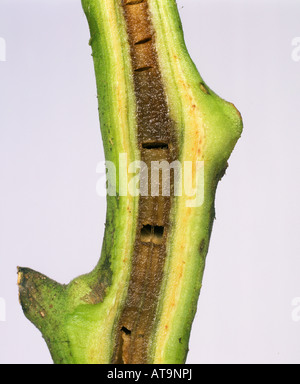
{"x":157,"y":142}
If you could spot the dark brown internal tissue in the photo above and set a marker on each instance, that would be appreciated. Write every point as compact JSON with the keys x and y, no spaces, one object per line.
{"x":157,"y":143}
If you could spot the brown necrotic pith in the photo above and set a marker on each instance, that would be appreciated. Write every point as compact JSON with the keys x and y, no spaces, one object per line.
{"x":157,"y":142}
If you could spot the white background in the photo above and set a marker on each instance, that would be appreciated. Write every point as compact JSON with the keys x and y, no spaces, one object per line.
{"x":52,"y":220}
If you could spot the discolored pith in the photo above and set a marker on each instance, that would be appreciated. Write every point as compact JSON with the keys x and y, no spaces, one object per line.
{"x":157,"y":143}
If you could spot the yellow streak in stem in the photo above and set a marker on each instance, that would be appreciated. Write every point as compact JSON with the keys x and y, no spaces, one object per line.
{"x":100,"y":340}
{"x":176,"y":72}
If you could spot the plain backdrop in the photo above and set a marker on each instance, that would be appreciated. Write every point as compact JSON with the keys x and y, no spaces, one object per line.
{"x":52,"y":220}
